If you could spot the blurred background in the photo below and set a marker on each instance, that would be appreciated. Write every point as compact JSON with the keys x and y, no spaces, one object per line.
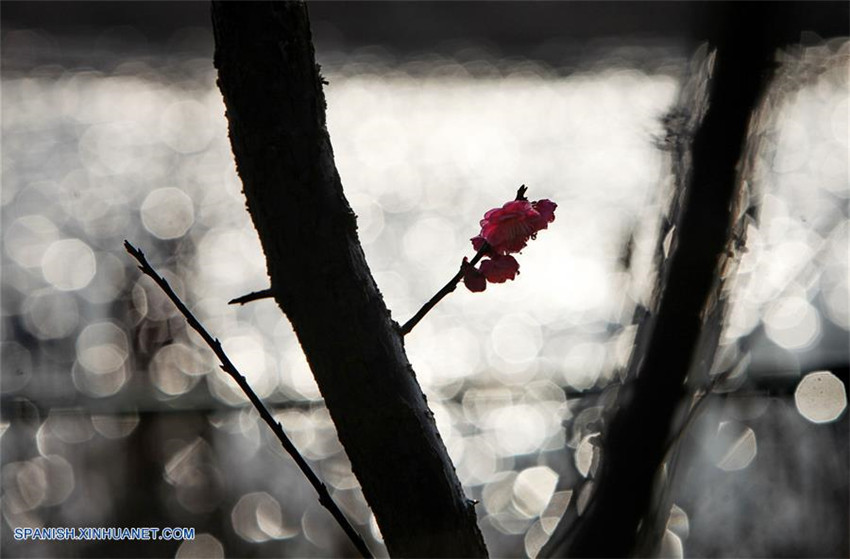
{"x":114,"y":414}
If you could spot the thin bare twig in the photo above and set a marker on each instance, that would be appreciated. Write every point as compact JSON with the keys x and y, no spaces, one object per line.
{"x":448,"y":288}
{"x":228,"y":367}
{"x":253,"y":296}
{"x":452,"y":284}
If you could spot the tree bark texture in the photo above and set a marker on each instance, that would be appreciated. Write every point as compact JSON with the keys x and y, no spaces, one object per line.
{"x":680,"y":336}
{"x":272,"y":89}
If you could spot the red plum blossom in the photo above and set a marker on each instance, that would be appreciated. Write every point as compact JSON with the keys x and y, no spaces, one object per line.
{"x":506,"y":231}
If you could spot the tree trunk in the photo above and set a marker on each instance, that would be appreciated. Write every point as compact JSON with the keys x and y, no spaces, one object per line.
{"x":272,"y":89}
{"x":681,"y":335}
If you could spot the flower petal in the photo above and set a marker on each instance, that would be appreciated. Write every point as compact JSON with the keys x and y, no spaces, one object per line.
{"x":546,"y":209}
{"x":508,"y":229}
{"x":472,"y":278}
{"x":500,"y":268}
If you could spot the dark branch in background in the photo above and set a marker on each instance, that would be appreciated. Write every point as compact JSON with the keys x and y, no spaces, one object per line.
{"x":696,"y":408}
{"x":626,"y":510}
{"x":452,"y":284}
{"x":253,"y":296}
{"x":228,"y":367}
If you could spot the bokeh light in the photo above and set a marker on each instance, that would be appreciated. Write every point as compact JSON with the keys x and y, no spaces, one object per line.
{"x":68,"y":264}
{"x":167,"y":213}
{"x":533,"y":487}
{"x":100,"y":372}
{"x":204,"y":546}
{"x":257,"y":517}
{"x":821,"y":397}
{"x":738,"y":446}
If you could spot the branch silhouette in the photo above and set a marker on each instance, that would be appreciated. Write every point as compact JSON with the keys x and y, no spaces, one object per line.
{"x":253,"y":296}
{"x":452,"y":283}
{"x":448,"y":288}
{"x":228,"y":367}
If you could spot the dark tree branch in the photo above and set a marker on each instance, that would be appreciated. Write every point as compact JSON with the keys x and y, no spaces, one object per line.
{"x":272,"y":89}
{"x":253,"y":296}
{"x":228,"y":367}
{"x":680,"y":338}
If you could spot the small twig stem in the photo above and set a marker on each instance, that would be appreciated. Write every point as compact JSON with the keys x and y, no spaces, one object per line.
{"x":227,"y":366}
{"x":448,"y":288}
{"x":253,"y":296}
